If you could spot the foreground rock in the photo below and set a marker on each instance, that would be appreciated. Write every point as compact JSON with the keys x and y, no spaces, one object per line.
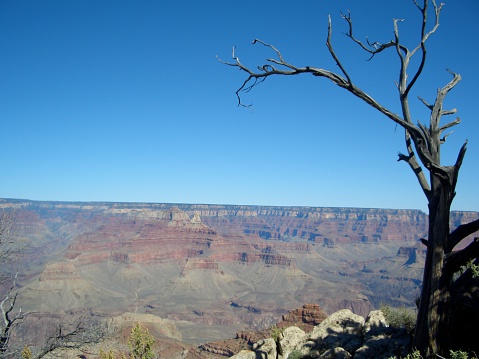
{"x":341,"y":335}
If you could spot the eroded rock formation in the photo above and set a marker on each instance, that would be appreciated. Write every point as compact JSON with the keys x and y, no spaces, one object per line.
{"x":233,"y":268}
{"x":305,"y":318}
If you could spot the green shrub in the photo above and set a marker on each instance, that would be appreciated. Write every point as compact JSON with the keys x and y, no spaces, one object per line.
{"x":109,"y":355}
{"x":414,"y":355}
{"x":276,"y":333}
{"x":295,"y":354}
{"x":474,"y":269}
{"x":400,"y":318}
{"x":453,"y":355}
{"x":141,"y":343}
{"x":26,"y":353}
{"x":460,"y":355}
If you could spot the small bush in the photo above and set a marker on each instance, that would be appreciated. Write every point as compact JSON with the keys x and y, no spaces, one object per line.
{"x":453,"y":355}
{"x":460,"y":355}
{"x":414,"y":355}
{"x":26,"y":353}
{"x":109,"y":355}
{"x":295,"y":354}
{"x":276,"y":333}
{"x":141,"y":343}
{"x":400,"y":318}
{"x":474,"y":269}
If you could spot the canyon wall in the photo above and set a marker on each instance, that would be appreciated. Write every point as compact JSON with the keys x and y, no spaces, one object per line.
{"x":218,"y":269}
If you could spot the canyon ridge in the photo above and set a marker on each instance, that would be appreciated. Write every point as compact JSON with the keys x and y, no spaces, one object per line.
{"x":212,"y":271}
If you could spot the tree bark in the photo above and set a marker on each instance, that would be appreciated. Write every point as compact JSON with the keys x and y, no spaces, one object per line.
{"x":441,"y":297}
{"x":430,"y":336}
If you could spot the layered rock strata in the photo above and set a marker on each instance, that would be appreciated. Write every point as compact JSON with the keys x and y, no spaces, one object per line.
{"x":234,"y":268}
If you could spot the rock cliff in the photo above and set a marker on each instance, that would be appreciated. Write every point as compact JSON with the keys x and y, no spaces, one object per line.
{"x":234,"y":268}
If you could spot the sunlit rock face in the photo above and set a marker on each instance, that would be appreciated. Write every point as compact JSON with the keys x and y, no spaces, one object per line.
{"x":217,"y":270}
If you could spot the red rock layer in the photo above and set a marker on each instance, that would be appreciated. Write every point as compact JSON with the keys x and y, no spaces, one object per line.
{"x":306,"y":317}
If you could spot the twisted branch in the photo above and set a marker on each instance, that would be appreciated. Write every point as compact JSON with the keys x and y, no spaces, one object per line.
{"x":426,"y":140}
{"x":454,"y":260}
{"x":414,"y":165}
{"x":372,"y":48}
{"x":462,"y":232}
{"x":9,"y":318}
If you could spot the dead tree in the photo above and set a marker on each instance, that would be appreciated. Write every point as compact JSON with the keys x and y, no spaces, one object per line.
{"x":443,"y":294}
{"x":10,"y":316}
{"x":79,"y":336}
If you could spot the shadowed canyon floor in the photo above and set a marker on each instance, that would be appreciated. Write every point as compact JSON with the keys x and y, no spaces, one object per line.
{"x":215,"y":270}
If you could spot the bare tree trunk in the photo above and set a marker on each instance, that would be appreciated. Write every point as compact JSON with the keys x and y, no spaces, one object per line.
{"x":430,"y":336}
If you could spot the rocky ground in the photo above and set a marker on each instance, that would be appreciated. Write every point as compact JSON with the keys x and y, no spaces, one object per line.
{"x":341,"y":335}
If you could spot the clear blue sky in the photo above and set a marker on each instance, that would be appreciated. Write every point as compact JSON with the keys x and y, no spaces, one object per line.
{"x":125,"y":101}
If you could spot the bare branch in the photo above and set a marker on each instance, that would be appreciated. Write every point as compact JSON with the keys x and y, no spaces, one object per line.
{"x":255,"y":78}
{"x":465,"y":285}
{"x":457,"y":121}
{"x":454,"y":260}
{"x":458,"y":164}
{"x":9,"y":318}
{"x":372,"y":48}
{"x":449,"y":112}
{"x":424,"y":37}
{"x":425,"y":103}
{"x":333,"y":54}
{"x":437,"y":111}
{"x":417,"y":5}
{"x":462,"y":232}
{"x":414,"y":165}
{"x":425,"y":131}
{"x":69,"y":336}
{"x":401,"y":51}
{"x":444,"y":138}
{"x":281,"y":60}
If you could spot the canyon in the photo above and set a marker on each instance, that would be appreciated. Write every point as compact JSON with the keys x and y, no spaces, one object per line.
{"x":213,"y":271}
